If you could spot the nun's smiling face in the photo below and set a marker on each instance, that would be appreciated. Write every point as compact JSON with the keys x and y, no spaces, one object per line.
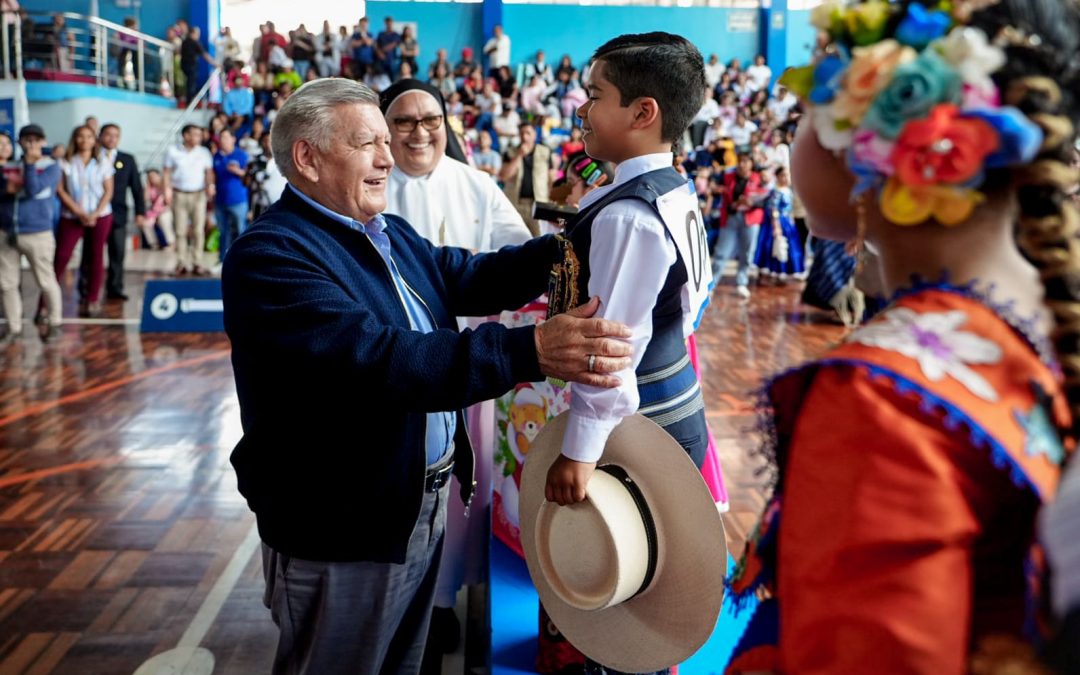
{"x":417,"y":147}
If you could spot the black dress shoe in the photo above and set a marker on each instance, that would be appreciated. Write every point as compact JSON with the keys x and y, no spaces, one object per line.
{"x":116,"y":295}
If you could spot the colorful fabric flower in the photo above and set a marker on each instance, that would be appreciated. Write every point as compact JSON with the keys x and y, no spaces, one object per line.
{"x":944,"y":148}
{"x":833,"y":134}
{"x":935,"y":341}
{"x":867,"y":176}
{"x":870,"y":150}
{"x":828,"y":75}
{"x":829,"y":17}
{"x":916,"y":87}
{"x":980,"y":96}
{"x":867,"y":74}
{"x":915,"y":204}
{"x":866,"y":21}
{"x":970,"y":53}
{"x":1019,"y":137}
{"x":921,"y":26}
{"x":798,"y":81}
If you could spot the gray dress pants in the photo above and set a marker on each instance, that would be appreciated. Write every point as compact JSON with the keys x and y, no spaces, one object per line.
{"x":357,"y":618}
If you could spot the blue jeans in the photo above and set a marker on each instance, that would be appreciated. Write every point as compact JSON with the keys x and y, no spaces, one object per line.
{"x":231,"y":222}
{"x":301,"y":69}
{"x":736,"y":239}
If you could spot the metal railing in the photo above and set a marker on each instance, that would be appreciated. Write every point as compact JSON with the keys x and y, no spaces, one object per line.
{"x":215,"y":77}
{"x":80,"y":48}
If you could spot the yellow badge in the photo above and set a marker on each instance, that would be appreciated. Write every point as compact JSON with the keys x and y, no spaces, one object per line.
{"x":119,"y":164}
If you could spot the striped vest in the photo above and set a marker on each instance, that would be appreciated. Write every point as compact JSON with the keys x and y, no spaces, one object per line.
{"x":668,"y":387}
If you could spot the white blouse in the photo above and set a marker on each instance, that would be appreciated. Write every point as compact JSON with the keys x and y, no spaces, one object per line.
{"x":86,"y":183}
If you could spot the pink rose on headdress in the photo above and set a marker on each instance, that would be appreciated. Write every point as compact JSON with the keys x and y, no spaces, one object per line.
{"x":872,"y":150}
{"x":870,"y":70}
{"x":982,"y":95}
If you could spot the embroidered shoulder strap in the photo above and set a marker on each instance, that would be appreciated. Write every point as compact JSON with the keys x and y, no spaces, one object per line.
{"x":974,"y":371}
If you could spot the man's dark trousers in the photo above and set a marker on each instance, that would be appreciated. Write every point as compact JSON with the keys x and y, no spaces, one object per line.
{"x":127,"y":178}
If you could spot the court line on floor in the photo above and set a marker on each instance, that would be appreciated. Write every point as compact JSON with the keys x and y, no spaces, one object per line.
{"x":7,"y":481}
{"x":187,"y":656}
{"x":97,"y":322}
{"x":219,"y":593}
{"x":109,"y":386}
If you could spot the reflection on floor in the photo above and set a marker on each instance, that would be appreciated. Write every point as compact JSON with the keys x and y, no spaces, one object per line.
{"x":120,"y":522}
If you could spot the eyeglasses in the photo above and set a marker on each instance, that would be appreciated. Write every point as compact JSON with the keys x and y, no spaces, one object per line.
{"x":407,"y":125}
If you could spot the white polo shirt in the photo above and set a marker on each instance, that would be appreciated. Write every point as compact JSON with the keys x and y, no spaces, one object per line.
{"x":189,"y":167}
{"x":501,"y":56}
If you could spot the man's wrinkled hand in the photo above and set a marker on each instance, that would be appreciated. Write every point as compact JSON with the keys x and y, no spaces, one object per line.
{"x":567,"y":480}
{"x":565,"y":342}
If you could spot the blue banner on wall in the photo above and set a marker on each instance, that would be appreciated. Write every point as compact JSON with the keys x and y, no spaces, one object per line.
{"x":182,"y":306}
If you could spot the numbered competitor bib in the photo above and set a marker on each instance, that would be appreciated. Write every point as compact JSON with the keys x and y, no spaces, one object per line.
{"x":682,"y":216}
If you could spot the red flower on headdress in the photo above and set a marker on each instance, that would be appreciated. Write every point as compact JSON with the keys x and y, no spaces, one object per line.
{"x":943,"y":148}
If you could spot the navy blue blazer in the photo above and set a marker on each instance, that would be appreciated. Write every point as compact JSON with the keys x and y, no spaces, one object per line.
{"x":334,"y":386}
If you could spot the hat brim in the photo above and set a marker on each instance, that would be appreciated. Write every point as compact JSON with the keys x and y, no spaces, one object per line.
{"x":677,"y":613}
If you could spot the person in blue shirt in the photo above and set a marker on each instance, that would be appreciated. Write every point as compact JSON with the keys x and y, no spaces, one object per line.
{"x":26,"y":229}
{"x":351,"y":375}
{"x":363,"y":48}
{"x":231,"y":199}
{"x":239,"y":105}
{"x":386,"y":45}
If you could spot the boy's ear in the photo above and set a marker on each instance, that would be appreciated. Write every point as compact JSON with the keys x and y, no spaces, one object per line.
{"x":646,"y":113}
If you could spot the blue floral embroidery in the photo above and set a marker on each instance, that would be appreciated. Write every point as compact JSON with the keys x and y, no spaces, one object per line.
{"x":1041,"y":435}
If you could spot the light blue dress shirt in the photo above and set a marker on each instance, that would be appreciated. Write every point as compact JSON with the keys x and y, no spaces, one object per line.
{"x":440,"y":425}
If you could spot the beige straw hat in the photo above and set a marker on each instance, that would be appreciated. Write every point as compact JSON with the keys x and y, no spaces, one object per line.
{"x":634,"y":575}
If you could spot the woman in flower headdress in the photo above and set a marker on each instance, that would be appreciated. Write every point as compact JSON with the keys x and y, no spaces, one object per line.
{"x":912,"y":459}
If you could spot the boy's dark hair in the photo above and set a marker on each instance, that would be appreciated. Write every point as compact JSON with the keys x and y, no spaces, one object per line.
{"x":189,"y":127}
{"x":661,"y":66}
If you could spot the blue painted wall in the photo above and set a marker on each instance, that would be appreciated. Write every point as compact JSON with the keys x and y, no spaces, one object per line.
{"x":155,"y":16}
{"x":452,"y":25}
{"x":800,"y":37}
{"x":563,"y":29}
{"x":578,"y":31}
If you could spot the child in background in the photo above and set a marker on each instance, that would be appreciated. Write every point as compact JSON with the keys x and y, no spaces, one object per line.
{"x":779,"y":253}
{"x":158,"y":215}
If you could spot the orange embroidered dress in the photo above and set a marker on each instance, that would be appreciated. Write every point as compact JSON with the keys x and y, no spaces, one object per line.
{"x":912,"y":462}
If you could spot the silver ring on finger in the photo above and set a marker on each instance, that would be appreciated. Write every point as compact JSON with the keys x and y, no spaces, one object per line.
{"x":592,"y":363}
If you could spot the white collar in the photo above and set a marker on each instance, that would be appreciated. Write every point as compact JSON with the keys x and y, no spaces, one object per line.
{"x":401,"y":177}
{"x":635,"y":166}
{"x":628,"y":170}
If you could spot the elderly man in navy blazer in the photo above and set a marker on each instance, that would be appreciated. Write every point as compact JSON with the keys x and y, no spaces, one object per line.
{"x":351,"y":376}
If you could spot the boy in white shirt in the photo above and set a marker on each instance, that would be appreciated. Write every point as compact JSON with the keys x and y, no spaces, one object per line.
{"x":638,"y":244}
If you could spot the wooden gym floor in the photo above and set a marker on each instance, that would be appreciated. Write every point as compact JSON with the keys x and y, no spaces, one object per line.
{"x":122,"y":534}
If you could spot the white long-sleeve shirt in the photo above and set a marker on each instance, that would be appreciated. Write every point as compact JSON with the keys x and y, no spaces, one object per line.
{"x":456,"y":205}
{"x":629,"y":259}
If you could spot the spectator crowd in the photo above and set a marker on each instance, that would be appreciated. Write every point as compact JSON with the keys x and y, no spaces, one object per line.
{"x":515,"y":120}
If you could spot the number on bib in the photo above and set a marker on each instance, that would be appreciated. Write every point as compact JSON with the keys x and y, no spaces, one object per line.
{"x":695,"y":234}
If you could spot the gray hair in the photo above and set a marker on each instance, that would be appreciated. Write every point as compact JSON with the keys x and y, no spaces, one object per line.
{"x":308,"y":115}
